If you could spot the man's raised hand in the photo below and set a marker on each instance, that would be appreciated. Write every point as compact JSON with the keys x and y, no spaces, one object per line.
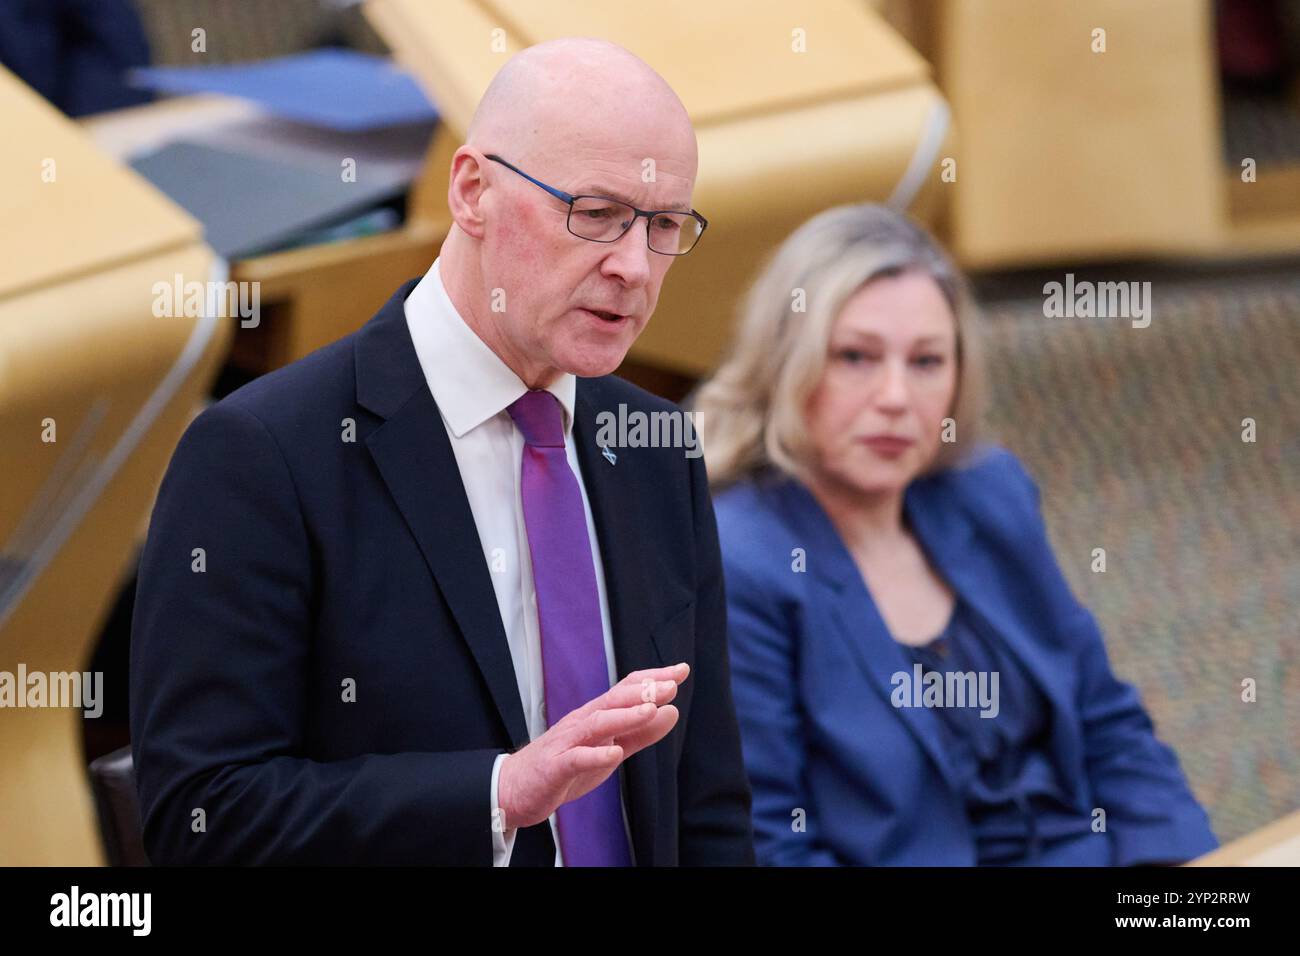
{"x":576,"y":754}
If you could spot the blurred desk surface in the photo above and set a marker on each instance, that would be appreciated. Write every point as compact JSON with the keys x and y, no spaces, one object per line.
{"x":1277,"y":844}
{"x":309,"y":296}
{"x":134,"y":130}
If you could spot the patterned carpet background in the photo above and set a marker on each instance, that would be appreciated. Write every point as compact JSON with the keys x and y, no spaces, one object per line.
{"x":1134,"y":436}
{"x":244,"y":30}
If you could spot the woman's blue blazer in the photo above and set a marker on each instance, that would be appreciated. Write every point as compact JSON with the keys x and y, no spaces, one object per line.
{"x":839,"y":774}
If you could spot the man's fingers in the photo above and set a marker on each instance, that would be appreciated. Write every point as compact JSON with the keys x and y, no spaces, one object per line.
{"x":604,"y":725}
{"x":656,"y":685}
{"x":676,"y":673}
{"x":635,"y":740}
{"x":646,"y":691}
{"x":581,"y":760}
{"x":625,"y":694}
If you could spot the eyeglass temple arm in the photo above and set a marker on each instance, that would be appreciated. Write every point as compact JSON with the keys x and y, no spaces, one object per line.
{"x":568,"y":197}
{"x":557,"y":193}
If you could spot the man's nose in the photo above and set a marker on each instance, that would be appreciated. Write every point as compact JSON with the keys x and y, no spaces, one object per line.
{"x":629,"y":257}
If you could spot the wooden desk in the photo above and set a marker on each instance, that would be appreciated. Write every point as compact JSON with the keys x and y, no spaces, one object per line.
{"x":1277,"y":844}
{"x":315,"y":295}
{"x":310,"y":296}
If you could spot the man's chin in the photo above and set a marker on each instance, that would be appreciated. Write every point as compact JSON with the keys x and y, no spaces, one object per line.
{"x":594,"y":362}
{"x":591,"y":367}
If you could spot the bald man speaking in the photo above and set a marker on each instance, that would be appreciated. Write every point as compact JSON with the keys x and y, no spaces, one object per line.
{"x":398,"y":605}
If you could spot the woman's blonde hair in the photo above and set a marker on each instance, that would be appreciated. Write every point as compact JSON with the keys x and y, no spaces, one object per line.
{"x":750,"y":414}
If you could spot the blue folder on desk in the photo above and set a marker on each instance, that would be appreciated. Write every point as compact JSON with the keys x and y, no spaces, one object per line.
{"x":341,"y":89}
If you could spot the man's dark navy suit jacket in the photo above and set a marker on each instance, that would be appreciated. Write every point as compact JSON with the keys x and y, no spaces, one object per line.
{"x":329,"y":564}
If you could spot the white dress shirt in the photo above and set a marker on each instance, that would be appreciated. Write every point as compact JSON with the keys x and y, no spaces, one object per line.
{"x":473,"y":389}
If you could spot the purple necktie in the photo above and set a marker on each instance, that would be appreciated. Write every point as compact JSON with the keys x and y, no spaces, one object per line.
{"x":574,"y":669}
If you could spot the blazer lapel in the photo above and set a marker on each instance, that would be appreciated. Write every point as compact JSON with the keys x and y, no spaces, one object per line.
{"x":414,"y":456}
{"x":975,"y":577}
{"x":612,"y":491}
{"x":948,"y":538}
{"x":858,"y":622}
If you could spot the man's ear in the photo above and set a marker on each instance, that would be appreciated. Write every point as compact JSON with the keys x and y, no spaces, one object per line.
{"x":465,"y":190}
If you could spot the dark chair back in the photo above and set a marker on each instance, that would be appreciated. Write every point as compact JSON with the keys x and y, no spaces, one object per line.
{"x":112,"y":778}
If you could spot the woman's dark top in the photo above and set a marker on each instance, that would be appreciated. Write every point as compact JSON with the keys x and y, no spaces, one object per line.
{"x":1016,"y":807}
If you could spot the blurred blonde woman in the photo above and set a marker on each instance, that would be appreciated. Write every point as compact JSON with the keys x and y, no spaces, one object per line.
{"x":915,"y":681}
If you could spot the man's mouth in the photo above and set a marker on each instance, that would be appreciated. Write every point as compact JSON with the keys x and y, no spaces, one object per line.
{"x":605,"y":316}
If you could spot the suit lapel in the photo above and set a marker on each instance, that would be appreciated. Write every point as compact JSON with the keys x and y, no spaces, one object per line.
{"x":414,"y":456}
{"x":612,"y":490}
{"x":948,"y":538}
{"x":415,"y":459}
{"x":856,"y":620}
{"x":977,"y":580}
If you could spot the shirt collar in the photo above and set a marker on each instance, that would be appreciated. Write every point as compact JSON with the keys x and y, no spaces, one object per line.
{"x":469,"y":382}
